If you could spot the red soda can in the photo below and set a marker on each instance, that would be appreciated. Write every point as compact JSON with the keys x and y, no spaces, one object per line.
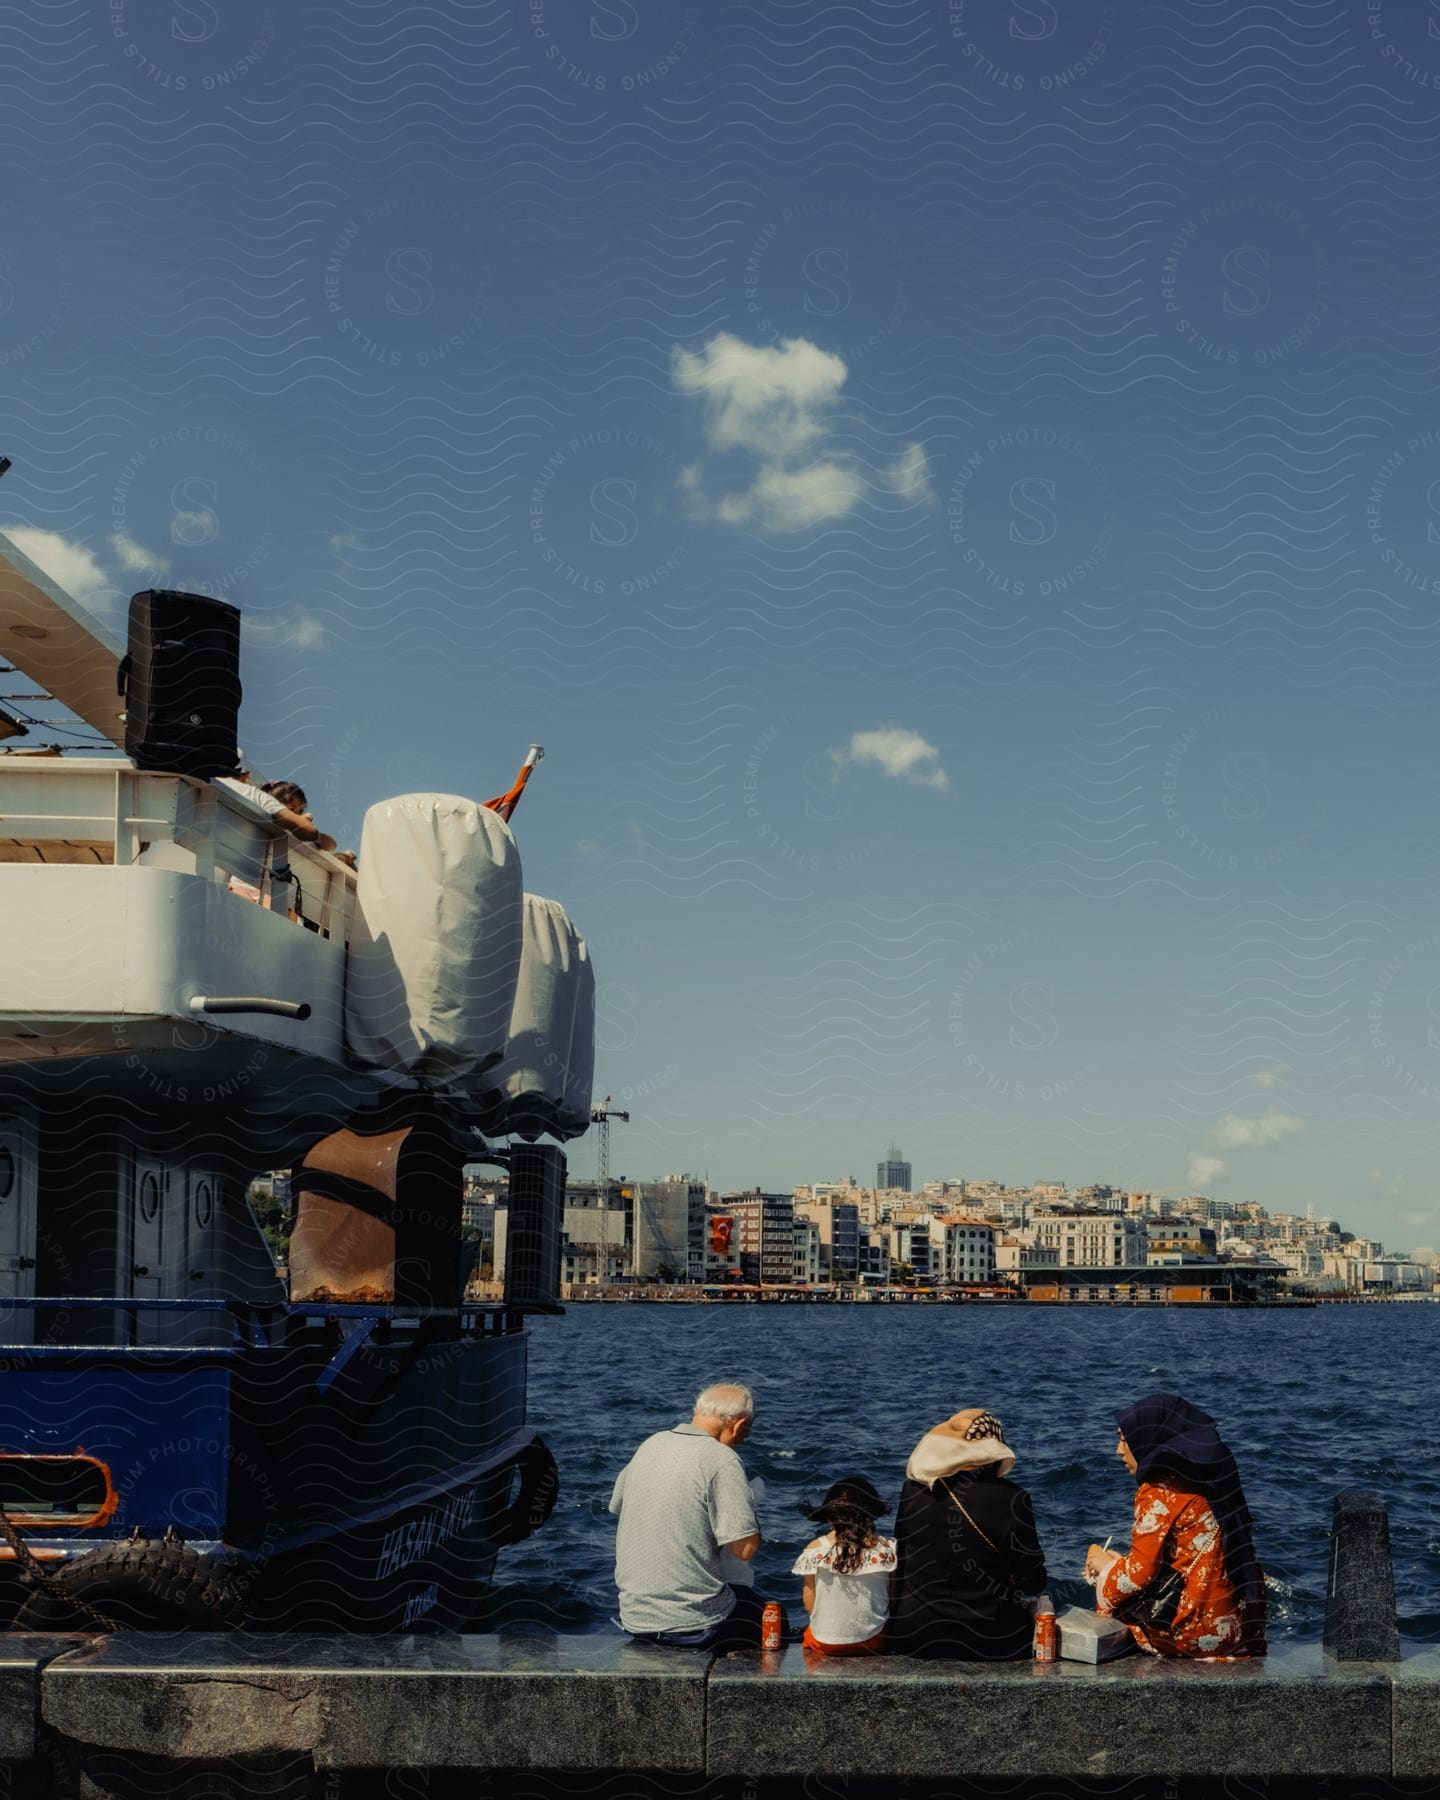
{"x":1047,"y":1632}
{"x":772,"y":1622}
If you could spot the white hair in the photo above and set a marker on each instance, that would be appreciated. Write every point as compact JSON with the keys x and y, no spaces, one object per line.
{"x":725,"y":1401}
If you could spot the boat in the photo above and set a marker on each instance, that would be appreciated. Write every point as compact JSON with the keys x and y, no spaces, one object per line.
{"x":190,"y":1435}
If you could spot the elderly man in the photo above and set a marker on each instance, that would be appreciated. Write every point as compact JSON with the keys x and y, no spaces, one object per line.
{"x":684,"y":1504}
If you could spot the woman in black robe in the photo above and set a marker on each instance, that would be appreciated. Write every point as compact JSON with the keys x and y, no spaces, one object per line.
{"x":970,"y":1562}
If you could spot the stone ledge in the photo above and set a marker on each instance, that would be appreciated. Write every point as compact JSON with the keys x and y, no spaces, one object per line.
{"x":22,"y":1658}
{"x":1416,"y":1716}
{"x":509,"y":1702}
{"x":1292,"y":1713}
{"x":591,"y":1703}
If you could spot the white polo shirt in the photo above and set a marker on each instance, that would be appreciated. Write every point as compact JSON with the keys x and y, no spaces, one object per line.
{"x":679,"y":1498}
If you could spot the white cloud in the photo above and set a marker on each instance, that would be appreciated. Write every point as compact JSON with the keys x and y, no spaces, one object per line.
{"x":1265,"y":1078}
{"x":296,"y":630}
{"x":903,"y":755}
{"x":344,"y":540}
{"x":70,"y":564}
{"x":774,"y":403}
{"x":909,"y":476}
{"x":135,"y":558}
{"x":192,"y":530}
{"x":759,"y":398}
{"x":792,"y":499}
{"x":1237,"y":1133}
{"x":1203,"y":1170}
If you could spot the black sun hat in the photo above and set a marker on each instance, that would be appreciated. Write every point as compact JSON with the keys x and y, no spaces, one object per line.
{"x":853,"y":1490}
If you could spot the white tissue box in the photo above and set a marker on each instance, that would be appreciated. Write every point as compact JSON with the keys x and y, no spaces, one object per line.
{"x":1091,"y":1637}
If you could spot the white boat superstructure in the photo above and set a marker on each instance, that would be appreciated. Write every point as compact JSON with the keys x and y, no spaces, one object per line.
{"x":123,"y":911}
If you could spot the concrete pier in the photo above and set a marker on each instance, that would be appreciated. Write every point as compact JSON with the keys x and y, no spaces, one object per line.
{"x":587,"y":1705}
{"x":128,"y":1713}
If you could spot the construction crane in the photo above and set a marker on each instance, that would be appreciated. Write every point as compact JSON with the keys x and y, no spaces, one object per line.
{"x":601,"y":1115}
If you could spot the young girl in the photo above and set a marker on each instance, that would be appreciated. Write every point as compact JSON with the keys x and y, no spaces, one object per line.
{"x":847,"y":1572}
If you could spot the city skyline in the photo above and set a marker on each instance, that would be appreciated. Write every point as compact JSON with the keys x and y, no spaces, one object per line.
{"x":1070,"y":1196}
{"x":1043,"y":1242}
{"x":955,"y":490}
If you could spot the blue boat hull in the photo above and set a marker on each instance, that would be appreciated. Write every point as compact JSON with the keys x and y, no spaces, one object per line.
{"x":368,"y":1495}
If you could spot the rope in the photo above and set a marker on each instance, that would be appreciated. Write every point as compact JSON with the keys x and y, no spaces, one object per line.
{"x":45,"y":1581}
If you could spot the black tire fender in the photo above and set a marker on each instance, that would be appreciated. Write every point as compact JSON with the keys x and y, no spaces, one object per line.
{"x":535,"y":1497}
{"x":149,"y":1585}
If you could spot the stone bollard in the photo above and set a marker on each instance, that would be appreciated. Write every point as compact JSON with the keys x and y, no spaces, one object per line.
{"x":1360,"y":1623}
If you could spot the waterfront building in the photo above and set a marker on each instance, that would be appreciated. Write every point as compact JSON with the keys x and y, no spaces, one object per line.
{"x":665,"y":1227}
{"x":838,"y":1223}
{"x":698,"y":1203}
{"x":807,"y":1272}
{"x":1014,"y":1257}
{"x":911,"y":1248}
{"x":965,"y":1250}
{"x":765,"y":1230}
{"x":722,"y":1245}
{"x":894,"y":1172}
{"x":1342,"y":1270}
{"x":1093,"y":1240}
{"x":875,"y":1264}
{"x":593,"y":1251}
{"x":1257,"y":1278}
{"x":1396,"y":1275}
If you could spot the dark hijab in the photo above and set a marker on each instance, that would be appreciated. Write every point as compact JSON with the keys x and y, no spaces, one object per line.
{"x":1175,"y":1442}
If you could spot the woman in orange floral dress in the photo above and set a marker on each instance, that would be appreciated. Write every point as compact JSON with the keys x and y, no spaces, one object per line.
{"x":1191,"y":1578}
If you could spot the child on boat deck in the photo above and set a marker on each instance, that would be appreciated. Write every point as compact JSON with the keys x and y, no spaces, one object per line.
{"x":847,"y":1571}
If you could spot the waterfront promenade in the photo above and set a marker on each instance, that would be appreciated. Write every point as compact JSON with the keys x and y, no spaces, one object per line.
{"x":244,"y":1714}
{"x":737,"y":1295}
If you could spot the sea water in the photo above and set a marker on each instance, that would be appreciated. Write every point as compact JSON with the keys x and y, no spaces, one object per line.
{"x":1309,"y":1401}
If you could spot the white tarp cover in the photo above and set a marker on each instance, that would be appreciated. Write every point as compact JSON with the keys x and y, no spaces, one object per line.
{"x":580,"y":1070}
{"x":546,"y":1052}
{"x":435,"y":949}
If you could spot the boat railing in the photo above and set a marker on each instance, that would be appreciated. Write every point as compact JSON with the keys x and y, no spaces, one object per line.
{"x":255,"y":1324}
{"x":104,"y":812}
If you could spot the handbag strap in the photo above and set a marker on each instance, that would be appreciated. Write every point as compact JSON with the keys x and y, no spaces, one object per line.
{"x":966,"y":1516}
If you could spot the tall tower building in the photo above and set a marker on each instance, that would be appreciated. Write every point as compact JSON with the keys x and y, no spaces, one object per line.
{"x":894,"y":1172}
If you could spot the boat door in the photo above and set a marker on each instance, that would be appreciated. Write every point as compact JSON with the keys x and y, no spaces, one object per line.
{"x":17,"y":1225}
{"x":193,"y":1265}
{"x":144,"y":1243}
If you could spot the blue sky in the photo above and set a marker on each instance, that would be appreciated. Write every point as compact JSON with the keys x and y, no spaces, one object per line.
{"x":954,"y":488}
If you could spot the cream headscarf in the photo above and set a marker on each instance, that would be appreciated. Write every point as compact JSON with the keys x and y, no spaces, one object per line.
{"x":968,"y":1440}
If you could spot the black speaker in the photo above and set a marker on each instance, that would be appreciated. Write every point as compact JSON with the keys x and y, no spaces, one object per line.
{"x":535,"y":1229}
{"x":181,"y":681}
